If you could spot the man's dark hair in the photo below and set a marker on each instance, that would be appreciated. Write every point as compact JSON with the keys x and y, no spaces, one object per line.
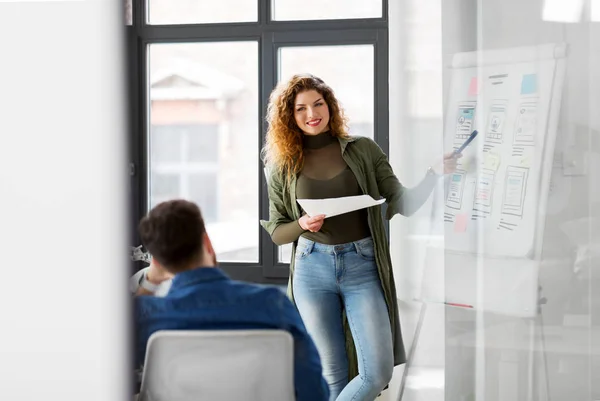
{"x":172,"y":232}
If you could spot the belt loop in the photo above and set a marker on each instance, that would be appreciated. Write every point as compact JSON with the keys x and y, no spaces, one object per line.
{"x":356,"y":246}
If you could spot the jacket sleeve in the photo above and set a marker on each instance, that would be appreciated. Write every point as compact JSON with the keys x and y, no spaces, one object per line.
{"x":280,"y":225}
{"x":400,"y":199}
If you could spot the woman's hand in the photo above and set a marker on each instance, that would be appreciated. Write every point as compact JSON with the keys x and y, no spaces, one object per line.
{"x":448,"y":165}
{"x":312,"y":224}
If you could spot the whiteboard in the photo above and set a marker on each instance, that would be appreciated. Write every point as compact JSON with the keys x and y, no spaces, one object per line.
{"x":502,"y":286}
{"x":495,"y":204}
{"x":495,"y":201}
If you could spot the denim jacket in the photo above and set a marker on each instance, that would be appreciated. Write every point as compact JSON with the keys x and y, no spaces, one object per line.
{"x":206,"y":299}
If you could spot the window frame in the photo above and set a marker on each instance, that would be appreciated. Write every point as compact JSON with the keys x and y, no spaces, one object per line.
{"x":270,"y":35}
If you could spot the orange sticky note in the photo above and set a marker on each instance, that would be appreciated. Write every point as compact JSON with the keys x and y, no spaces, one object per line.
{"x":460,"y":224}
{"x":474,"y":87}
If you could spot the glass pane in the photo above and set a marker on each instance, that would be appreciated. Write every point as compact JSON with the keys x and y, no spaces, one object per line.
{"x":499,"y":279}
{"x":286,"y":10}
{"x":350,"y":71}
{"x":204,"y":137}
{"x":164,"y":186}
{"x":595,"y":10}
{"x":128,"y":12}
{"x":285,"y":253}
{"x":203,"y":190}
{"x":166,"y":143}
{"x":161,"y":12}
{"x":201,"y":143}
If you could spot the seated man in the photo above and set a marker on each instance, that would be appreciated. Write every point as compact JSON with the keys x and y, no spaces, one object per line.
{"x":202,"y":297}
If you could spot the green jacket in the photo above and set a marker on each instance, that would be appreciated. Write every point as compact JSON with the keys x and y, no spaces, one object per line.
{"x":377,"y":179}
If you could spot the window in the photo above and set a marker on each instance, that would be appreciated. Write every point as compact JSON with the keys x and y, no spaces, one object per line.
{"x":349,"y":70}
{"x":164,"y":186}
{"x":185,"y":143}
{"x":595,"y":10}
{"x":202,"y":74}
{"x":286,"y":10}
{"x":204,"y":132}
{"x":179,"y":169}
{"x":128,"y":12}
{"x":201,"y":11}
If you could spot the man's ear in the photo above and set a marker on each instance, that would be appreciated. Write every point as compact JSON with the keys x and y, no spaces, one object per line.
{"x":208,"y":247}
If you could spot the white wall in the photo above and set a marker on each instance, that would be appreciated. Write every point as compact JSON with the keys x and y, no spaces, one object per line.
{"x":62,"y":222}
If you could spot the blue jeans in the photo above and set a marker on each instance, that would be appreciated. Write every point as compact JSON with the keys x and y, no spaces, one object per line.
{"x":328,"y":278}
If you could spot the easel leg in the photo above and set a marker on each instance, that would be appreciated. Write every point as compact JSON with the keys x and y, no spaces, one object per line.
{"x":537,"y":325}
{"x":413,"y":348}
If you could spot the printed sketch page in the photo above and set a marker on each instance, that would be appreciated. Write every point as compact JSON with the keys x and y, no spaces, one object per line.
{"x":492,"y":200}
{"x":334,"y":206}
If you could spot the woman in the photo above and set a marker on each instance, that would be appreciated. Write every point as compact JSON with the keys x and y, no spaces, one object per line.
{"x":340,"y":274}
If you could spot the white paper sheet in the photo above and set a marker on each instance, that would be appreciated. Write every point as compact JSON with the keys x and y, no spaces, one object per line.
{"x":335,"y":206}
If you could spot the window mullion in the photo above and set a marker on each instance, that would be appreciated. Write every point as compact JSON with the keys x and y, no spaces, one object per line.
{"x":268,"y":73}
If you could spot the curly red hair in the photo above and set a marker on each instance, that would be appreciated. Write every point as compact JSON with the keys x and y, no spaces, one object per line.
{"x":283,"y":144}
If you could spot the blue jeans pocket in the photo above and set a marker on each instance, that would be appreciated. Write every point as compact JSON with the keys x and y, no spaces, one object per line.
{"x":366,"y":250}
{"x":303,"y":249}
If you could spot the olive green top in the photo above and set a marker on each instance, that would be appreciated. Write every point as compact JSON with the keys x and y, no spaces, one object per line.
{"x":376,"y":178}
{"x":326,"y":175}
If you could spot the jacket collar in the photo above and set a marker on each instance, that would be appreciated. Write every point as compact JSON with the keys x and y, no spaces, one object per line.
{"x":197,"y":276}
{"x":345,"y":141}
